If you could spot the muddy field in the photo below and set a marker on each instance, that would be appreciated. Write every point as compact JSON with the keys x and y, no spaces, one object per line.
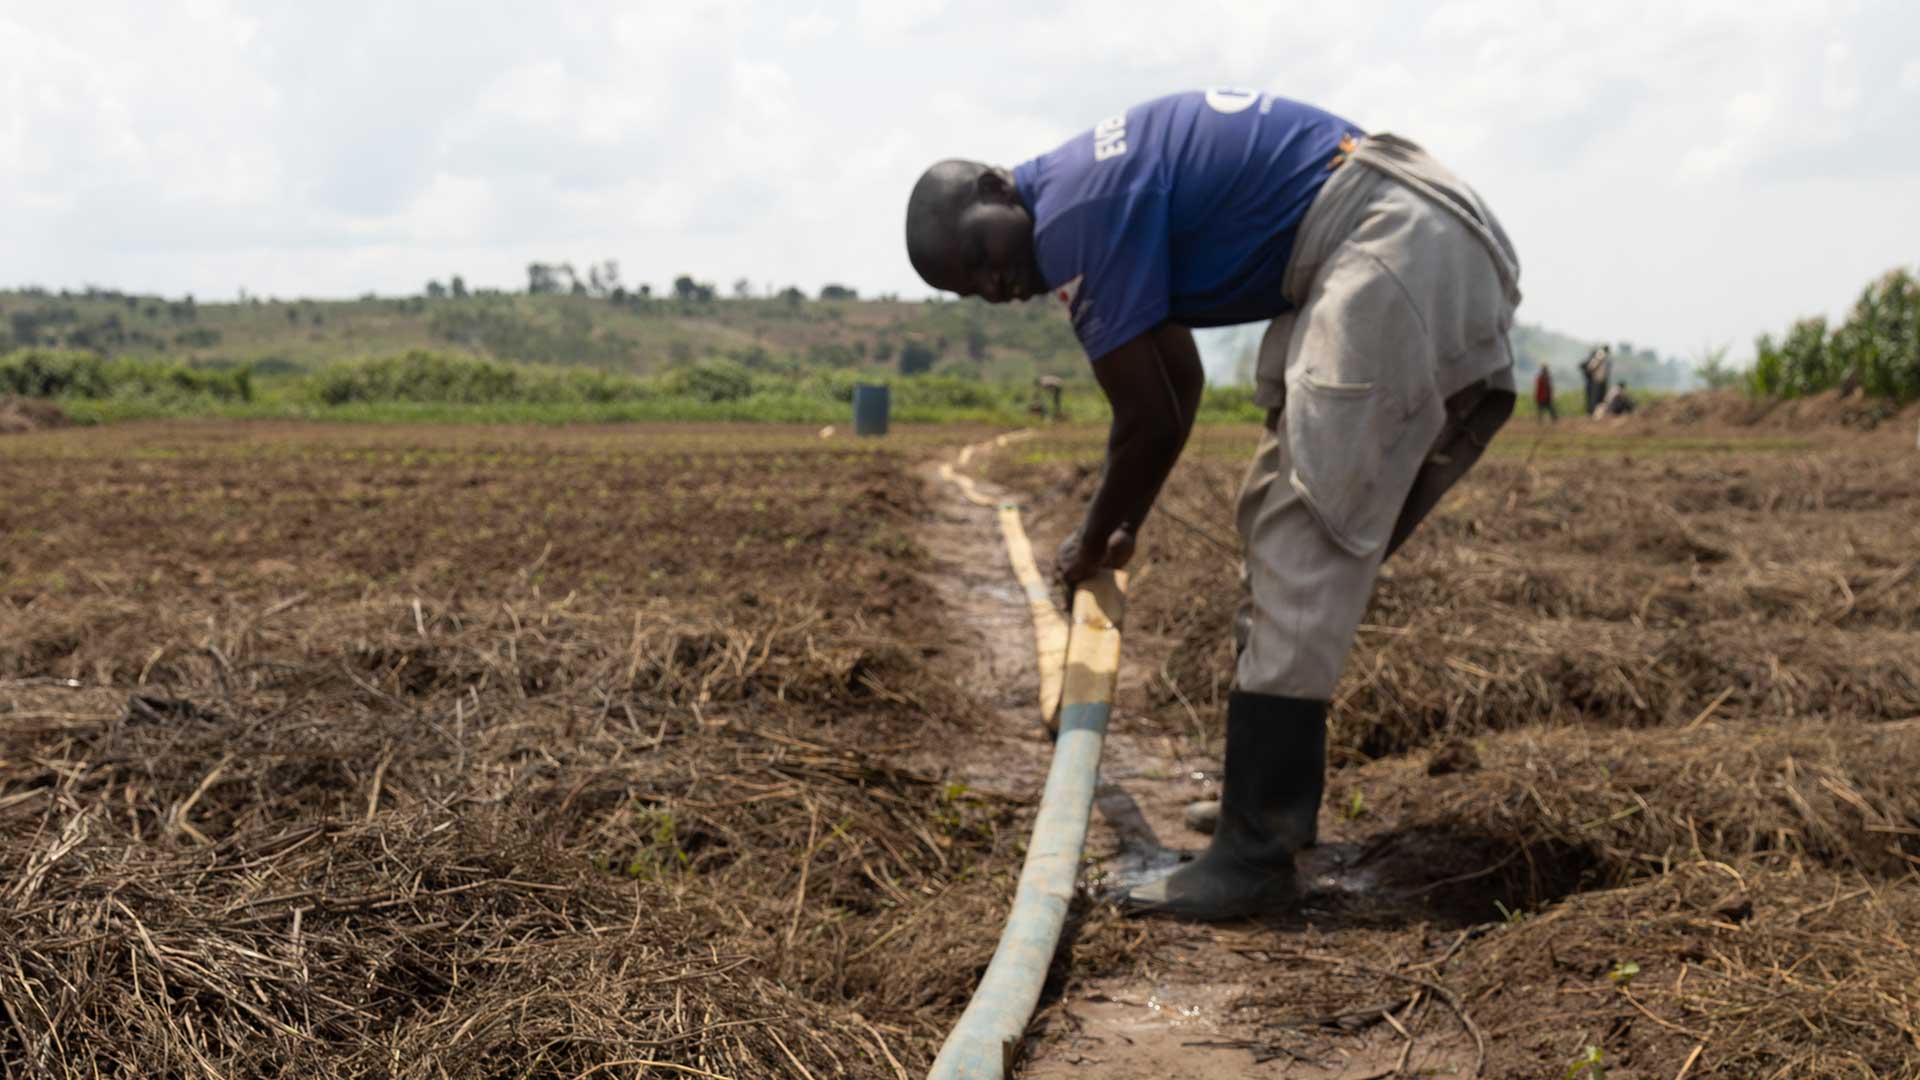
{"x":703,"y":750}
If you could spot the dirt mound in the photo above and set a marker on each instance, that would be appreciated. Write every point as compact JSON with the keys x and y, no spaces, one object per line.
{"x":1829,"y":409}
{"x":1747,"y":968}
{"x":18,"y":414}
{"x":1835,"y":795}
{"x":1716,"y":406}
{"x":1728,"y":970}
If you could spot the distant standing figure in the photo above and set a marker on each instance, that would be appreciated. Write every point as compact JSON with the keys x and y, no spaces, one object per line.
{"x":1543,"y":395}
{"x":1598,"y":368}
{"x":1049,"y":387}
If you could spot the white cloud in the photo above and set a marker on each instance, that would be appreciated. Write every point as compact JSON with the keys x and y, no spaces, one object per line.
{"x":891,"y":20}
{"x":811,"y":26}
{"x":1742,"y":130}
{"x":451,"y":209}
{"x":1840,"y":82}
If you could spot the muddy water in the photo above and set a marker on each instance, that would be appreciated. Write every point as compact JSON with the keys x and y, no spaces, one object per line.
{"x":990,"y":650}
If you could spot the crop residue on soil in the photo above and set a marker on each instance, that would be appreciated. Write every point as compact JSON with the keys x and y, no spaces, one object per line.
{"x":390,"y":751}
{"x":21,"y":414}
{"x":1621,"y":762}
{"x":377,"y":751}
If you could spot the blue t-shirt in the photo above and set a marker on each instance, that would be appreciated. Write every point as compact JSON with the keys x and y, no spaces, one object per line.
{"x":1183,"y":209}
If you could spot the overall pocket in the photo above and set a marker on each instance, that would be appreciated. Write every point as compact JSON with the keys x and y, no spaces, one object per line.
{"x":1361,"y":405}
{"x":1355,"y":452}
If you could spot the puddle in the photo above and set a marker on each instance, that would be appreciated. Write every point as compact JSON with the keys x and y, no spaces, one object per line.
{"x":1137,"y":867}
{"x":1332,"y":875}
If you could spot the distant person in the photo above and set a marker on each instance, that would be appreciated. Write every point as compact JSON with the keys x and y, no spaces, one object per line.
{"x":1543,"y":395}
{"x":1047,"y":403}
{"x":1616,"y":403}
{"x":1598,"y":368}
{"x":1385,"y":369}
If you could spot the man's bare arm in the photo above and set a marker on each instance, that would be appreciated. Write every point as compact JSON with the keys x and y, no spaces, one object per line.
{"x":1153,"y":384}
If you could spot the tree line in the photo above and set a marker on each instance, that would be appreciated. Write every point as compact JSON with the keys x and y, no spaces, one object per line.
{"x":602,"y":281}
{"x":1875,"y":350}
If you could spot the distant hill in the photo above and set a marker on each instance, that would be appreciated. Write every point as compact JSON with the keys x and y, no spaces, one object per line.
{"x":1230,"y":353}
{"x":641,"y":334}
{"x":629,"y":334}
{"x":1646,"y":368}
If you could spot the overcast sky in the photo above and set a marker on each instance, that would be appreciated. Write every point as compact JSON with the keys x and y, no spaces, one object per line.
{"x":1675,"y":173}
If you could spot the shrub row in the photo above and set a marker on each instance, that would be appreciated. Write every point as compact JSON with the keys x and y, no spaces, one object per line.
{"x":70,"y":373}
{"x":424,"y":377}
{"x":454,"y":378}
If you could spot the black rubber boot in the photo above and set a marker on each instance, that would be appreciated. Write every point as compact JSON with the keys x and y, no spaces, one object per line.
{"x":1276,"y":765}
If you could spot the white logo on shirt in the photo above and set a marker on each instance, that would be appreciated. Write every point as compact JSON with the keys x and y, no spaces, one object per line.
{"x":1110,"y":137}
{"x":1070,"y":292}
{"x":1231,"y":101}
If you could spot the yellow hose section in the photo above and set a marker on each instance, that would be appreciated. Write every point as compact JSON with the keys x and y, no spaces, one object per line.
{"x":1049,"y":627}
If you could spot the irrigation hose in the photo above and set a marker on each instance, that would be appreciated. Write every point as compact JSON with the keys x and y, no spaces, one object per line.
{"x":1049,"y":628}
{"x":1078,"y":665}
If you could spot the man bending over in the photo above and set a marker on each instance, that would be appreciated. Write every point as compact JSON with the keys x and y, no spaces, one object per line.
{"x":1385,"y":369}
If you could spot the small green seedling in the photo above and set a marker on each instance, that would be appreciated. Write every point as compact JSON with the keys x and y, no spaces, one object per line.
{"x":1623,"y":972}
{"x":948,"y":813}
{"x":1588,"y":1063}
{"x":1356,"y":804}
{"x":1511,"y":916}
{"x":662,"y":851}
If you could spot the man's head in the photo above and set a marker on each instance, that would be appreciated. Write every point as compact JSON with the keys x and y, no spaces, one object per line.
{"x":969,"y":233}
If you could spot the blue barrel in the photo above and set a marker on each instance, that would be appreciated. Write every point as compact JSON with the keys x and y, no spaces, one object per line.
{"x":870,"y":405}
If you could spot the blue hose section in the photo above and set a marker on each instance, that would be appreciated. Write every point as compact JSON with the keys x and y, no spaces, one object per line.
{"x":982,"y":1045}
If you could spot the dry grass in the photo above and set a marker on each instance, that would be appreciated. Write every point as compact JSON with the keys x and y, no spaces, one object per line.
{"x":18,"y":414}
{"x":504,"y":804}
{"x":1752,"y":968}
{"x":378,"y":752}
{"x":1654,"y":701}
{"x":1838,"y":797}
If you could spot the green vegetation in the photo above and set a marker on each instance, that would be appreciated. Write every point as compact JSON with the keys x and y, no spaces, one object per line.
{"x":1591,"y":1063}
{"x":72,"y":374}
{"x":426,"y":385}
{"x":567,"y":322}
{"x":421,"y":376}
{"x":1876,"y":350}
{"x":1512,"y":916}
{"x":712,"y":388}
{"x":574,"y":346}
